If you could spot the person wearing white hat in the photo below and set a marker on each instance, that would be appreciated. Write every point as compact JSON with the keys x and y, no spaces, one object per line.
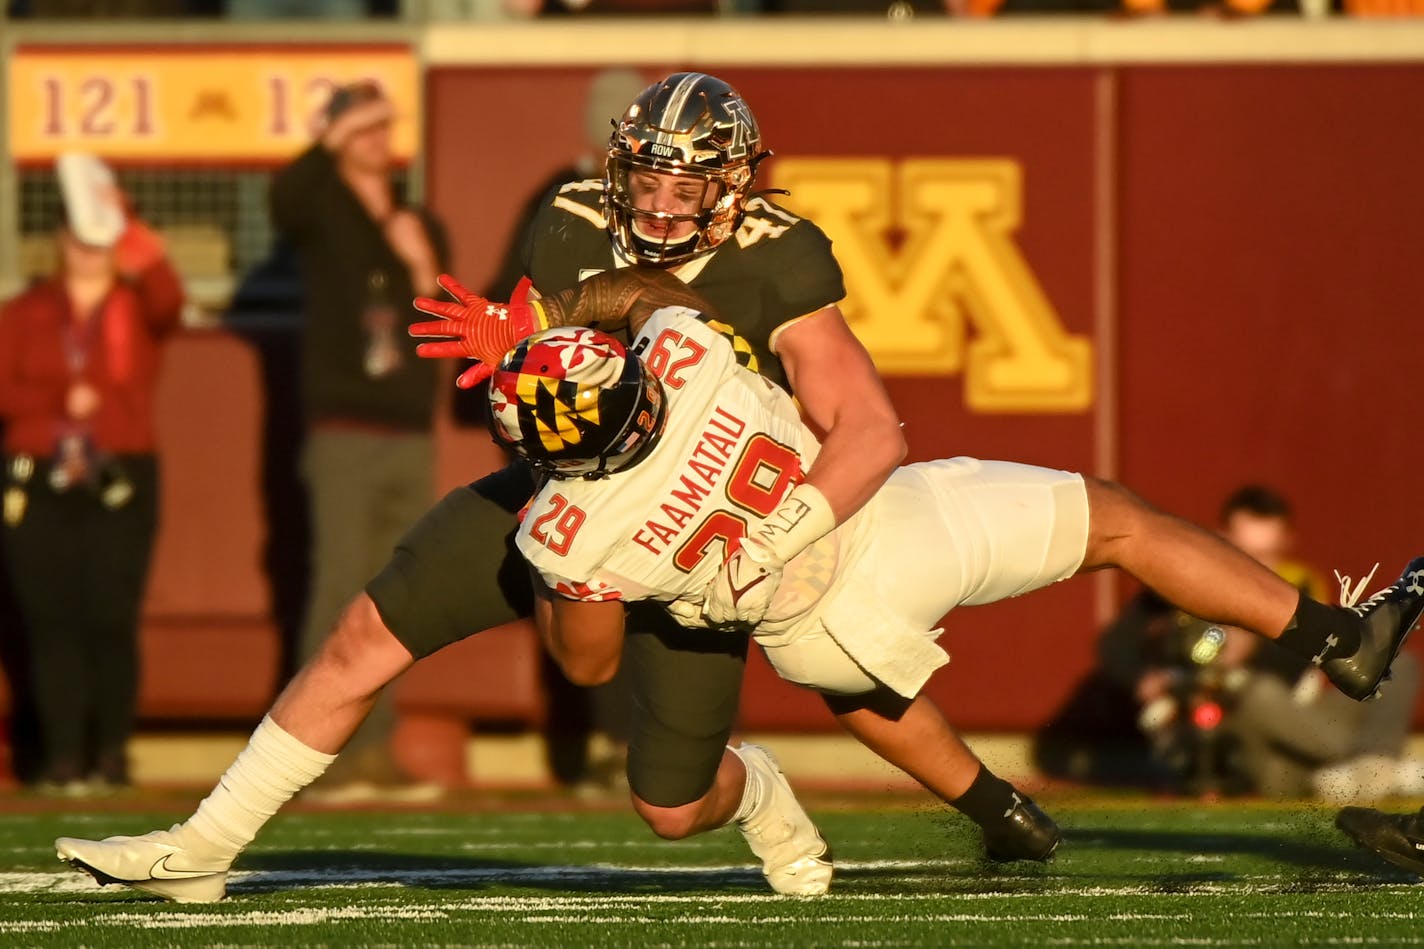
{"x":79,"y":358}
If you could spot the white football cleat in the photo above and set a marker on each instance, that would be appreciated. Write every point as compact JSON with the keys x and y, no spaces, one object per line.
{"x":156,"y":863}
{"x":795,"y":858}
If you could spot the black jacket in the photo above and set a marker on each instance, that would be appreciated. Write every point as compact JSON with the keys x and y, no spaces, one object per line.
{"x":347,"y":267}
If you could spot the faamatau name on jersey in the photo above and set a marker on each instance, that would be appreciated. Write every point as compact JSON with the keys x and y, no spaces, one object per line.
{"x":704,"y":466}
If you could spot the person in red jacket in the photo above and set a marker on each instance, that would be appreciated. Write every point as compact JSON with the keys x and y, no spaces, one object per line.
{"x":79,"y":361}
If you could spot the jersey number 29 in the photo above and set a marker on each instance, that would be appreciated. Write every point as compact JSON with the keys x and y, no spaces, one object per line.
{"x":761,"y":478}
{"x":566,"y":519}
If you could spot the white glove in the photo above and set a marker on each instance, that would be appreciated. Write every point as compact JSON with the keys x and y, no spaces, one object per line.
{"x":744,"y":586}
{"x":687,"y":613}
{"x":742,"y":590}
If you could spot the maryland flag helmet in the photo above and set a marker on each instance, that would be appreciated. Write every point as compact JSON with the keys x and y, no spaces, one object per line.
{"x":575,"y":403}
{"x":697,"y":128}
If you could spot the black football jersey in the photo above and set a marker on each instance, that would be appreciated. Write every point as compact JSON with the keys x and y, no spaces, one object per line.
{"x":777,"y":266}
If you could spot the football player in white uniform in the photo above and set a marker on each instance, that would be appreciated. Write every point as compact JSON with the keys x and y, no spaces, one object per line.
{"x":675,"y":474}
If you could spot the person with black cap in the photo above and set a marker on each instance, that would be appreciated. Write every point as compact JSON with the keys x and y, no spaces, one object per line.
{"x":368,"y":459}
{"x":79,"y":359}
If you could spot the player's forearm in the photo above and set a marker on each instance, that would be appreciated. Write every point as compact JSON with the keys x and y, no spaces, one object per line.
{"x":856,"y":458}
{"x":842,"y":396}
{"x":618,"y":298}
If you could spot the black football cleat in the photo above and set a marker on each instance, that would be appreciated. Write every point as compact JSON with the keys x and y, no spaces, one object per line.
{"x":1398,"y":838}
{"x":1026,"y":833}
{"x":1386,"y":620}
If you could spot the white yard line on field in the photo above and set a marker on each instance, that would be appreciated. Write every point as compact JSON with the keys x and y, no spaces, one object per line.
{"x":382,"y":902}
{"x":209,"y":918}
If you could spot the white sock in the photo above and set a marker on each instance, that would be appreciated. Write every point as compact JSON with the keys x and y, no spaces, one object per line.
{"x":751,"y":792}
{"x":272,"y":768}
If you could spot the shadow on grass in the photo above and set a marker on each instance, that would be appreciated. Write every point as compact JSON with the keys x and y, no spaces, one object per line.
{"x":271,"y":872}
{"x":1312,"y":852}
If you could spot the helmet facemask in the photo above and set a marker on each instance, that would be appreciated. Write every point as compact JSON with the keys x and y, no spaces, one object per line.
{"x":695,"y":135}
{"x":710,"y":201}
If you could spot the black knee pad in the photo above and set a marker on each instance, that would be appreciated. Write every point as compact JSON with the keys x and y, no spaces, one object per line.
{"x":685,"y":685}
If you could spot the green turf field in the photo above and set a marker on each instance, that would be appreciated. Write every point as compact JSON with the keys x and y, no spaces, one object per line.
{"x":1129,"y":873}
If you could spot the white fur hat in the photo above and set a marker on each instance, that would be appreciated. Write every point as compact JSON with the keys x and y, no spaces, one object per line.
{"x":91,"y":199}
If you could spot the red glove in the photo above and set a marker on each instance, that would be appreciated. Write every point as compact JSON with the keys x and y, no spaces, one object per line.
{"x":138,"y":249}
{"x":476,"y":328}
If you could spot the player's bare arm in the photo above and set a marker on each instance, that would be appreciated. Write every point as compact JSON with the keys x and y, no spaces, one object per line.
{"x":585,"y":639}
{"x":842,"y":395}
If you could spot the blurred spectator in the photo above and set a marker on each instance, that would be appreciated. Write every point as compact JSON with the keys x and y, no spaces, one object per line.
{"x":1149,"y":714}
{"x":1143,"y":655}
{"x":1296,"y":734}
{"x":369,"y":402}
{"x":1179,"y":701}
{"x":575,"y":715}
{"x":79,"y":357}
{"x":266,"y":311}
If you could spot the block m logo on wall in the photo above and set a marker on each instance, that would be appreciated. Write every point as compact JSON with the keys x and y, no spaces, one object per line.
{"x":957,"y":267}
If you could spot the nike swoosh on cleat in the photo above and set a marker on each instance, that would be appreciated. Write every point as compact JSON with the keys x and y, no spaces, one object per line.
{"x":170,"y":873}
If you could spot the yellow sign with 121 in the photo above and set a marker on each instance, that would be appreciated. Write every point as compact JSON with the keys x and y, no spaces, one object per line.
{"x":190,"y":104}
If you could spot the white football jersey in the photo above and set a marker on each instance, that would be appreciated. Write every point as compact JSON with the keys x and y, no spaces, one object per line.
{"x":733,"y":447}
{"x":854,"y":608}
